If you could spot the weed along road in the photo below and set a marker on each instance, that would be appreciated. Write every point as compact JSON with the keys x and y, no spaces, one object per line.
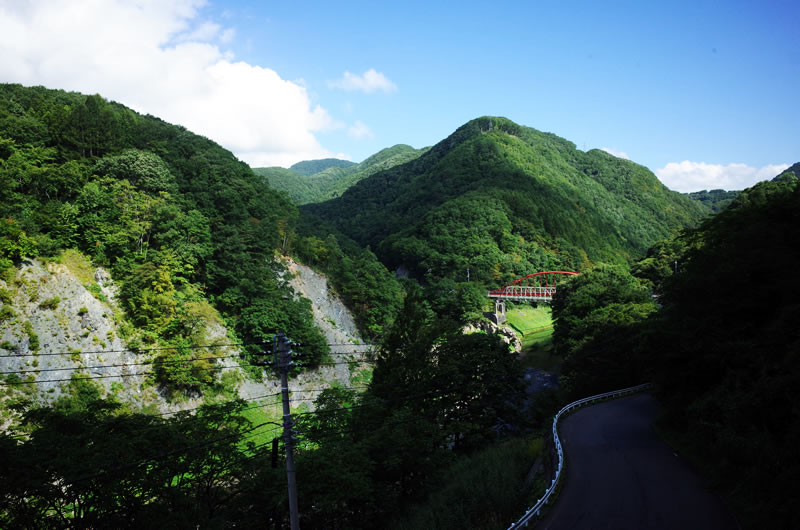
{"x":620,"y":475}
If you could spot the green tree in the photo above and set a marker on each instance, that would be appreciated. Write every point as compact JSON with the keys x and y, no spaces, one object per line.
{"x":595,"y":331}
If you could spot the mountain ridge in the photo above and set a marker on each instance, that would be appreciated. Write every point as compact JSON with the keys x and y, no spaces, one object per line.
{"x":570,"y":208}
{"x":334,"y":179}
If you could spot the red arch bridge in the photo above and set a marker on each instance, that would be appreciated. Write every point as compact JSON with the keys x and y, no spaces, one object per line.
{"x":536,"y":287}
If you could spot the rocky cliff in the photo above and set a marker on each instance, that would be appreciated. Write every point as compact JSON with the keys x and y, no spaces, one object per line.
{"x":60,"y":320}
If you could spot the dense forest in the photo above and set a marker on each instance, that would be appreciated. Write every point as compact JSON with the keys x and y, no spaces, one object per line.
{"x":177,"y":219}
{"x":185,"y":228}
{"x":439,"y":433}
{"x":318,"y":180}
{"x":503,"y":200}
{"x":716,"y":200}
{"x":189,"y":232}
{"x":720,"y":343}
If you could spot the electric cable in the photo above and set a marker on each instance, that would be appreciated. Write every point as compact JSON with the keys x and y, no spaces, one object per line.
{"x":133,"y":350}
{"x":94,"y":367}
{"x":77,"y":378}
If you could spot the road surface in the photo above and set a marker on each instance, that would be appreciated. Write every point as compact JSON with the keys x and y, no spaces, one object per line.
{"x":620,"y":475}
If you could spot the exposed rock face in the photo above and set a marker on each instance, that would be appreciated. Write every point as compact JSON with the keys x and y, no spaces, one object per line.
{"x":64,"y":322}
{"x":339,"y":328}
{"x":56,"y":318}
{"x":507,"y":334}
{"x":330,"y":314}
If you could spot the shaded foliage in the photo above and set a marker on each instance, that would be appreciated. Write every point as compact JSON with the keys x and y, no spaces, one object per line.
{"x":726,"y":351}
{"x":596,"y":316}
{"x":436,"y":395}
{"x":95,"y":466}
{"x":722,"y":351}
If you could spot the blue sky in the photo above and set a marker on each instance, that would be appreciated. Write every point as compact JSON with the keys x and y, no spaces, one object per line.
{"x":702,"y":93}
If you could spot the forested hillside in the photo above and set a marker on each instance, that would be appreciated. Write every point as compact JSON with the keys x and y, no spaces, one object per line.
{"x":502,"y":201}
{"x":722,"y":349}
{"x":716,"y":200}
{"x":319,"y":180}
{"x":185,"y":228}
{"x":190,"y":234}
{"x":311,"y":167}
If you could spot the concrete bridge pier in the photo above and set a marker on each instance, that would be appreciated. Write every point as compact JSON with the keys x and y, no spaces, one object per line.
{"x":500,"y":310}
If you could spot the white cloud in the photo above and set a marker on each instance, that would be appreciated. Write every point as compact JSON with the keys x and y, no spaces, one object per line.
{"x":613,"y":152}
{"x":359,"y":130}
{"x":369,"y":82}
{"x":158,"y":57}
{"x":203,"y":32}
{"x":689,"y":176}
{"x":227,"y":36}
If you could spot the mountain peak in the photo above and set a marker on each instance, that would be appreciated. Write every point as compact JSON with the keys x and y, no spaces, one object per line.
{"x":793,"y":169}
{"x":311,"y":167}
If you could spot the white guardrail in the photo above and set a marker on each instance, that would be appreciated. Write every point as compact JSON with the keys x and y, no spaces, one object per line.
{"x":534,"y":510}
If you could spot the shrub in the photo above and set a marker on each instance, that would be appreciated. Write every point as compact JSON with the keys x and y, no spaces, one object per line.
{"x":33,"y":338}
{"x":6,"y":313}
{"x":6,"y":296}
{"x":50,"y":303}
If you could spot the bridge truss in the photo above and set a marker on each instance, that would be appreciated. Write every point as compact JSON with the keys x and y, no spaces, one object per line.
{"x":536,"y":287}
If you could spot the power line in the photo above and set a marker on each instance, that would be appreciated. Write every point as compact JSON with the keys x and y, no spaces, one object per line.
{"x":164,"y":348}
{"x":225,"y":403}
{"x":74,"y":378}
{"x":256,"y":398}
{"x":132,"y":350}
{"x":94,"y":367}
{"x":364,"y":361}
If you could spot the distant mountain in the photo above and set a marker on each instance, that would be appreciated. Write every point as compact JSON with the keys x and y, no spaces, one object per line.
{"x":334,"y":179}
{"x":310,"y":167}
{"x":504,"y":200}
{"x":715,"y":200}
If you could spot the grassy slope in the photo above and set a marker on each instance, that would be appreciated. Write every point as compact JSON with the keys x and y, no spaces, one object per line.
{"x":535,"y":325}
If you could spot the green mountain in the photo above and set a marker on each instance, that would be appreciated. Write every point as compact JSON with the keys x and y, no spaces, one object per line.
{"x":310,"y":167}
{"x":794,"y":170}
{"x":504,"y":200}
{"x":185,"y":228}
{"x":332,"y":179}
{"x":715,"y":200}
{"x":299,"y":188}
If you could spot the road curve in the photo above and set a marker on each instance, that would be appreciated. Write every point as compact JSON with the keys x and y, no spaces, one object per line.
{"x":620,"y":475}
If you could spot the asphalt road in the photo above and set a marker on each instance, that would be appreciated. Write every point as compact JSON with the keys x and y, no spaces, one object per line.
{"x":620,"y":475}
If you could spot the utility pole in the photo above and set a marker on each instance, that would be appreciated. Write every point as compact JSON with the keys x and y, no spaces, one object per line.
{"x":282,"y":351}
